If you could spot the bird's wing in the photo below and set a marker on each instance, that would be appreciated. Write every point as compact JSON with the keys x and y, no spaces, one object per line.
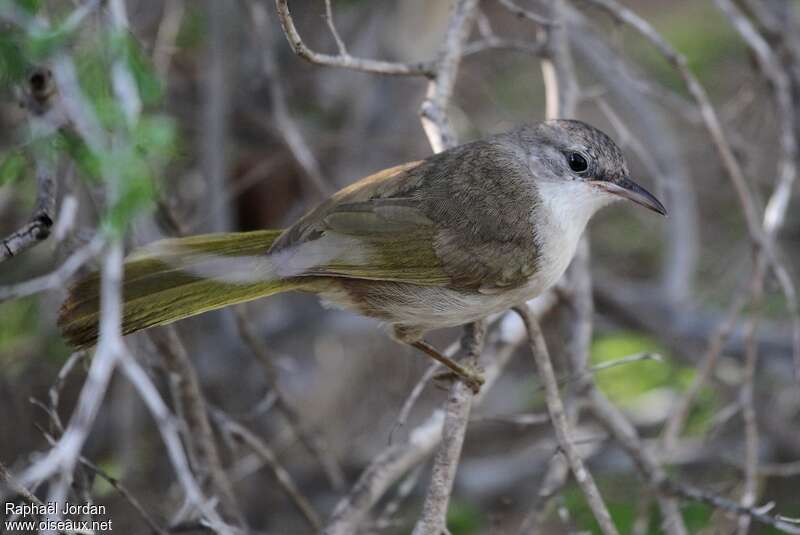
{"x":418,"y":223}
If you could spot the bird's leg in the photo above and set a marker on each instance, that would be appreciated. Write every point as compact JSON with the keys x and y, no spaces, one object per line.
{"x":471,"y":377}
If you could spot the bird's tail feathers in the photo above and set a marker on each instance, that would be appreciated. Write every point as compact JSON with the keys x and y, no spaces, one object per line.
{"x":174,"y":279}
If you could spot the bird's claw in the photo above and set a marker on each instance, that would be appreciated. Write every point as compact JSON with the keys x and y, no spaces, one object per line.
{"x":472,"y":377}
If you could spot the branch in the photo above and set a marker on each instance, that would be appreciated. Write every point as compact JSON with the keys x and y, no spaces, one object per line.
{"x":192,"y":409}
{"x":266,"y":454}
{"x":286,"y":126}
{"x":40,"y":100}
{"x":344,"y":60}
{"x":762,"y":241}
{"x":60,"y":276}
{"x":397,"y":459}
{"x":457,"y":411}
{"x":435,"y":122}
{"x":433,"y":111}
{"x":555,"y":407}
{"x":314,"y":442}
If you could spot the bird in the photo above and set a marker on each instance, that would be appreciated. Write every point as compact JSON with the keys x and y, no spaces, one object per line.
{"x":440,"y":242}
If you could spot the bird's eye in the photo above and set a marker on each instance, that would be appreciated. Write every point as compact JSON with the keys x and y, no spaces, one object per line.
{"x":577,"y":162}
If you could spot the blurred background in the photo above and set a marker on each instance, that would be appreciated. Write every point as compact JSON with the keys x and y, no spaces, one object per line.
{"x":238,"y":133}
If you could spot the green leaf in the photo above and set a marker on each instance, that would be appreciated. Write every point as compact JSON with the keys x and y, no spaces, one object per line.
{"x":12,"y":167}
{"x":464,"y":518}
{"x":155,"y":135}
{"x":42,"y":45}
{"x":31,"y":6}
{"x":136,"y":187}
{"x":88,"y":163}
{"x":13,"y":66}
{"x":150,"y":89}
{"x":623,"y":384}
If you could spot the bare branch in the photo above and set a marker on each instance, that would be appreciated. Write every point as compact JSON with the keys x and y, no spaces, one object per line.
{"x":445,"y":464}
{"x":527,"y":14}
{"x":192,"y":409}
{"x":286,"y":126}
{"x":41,"y":98}
{"x":57,"y":278}
{"x":283,"y":477}
{"x":332,"y":28}
{"x":555,"y":406}
{"x":312,"y":439}
{"x":344,"y":61}
{"x":433,"y":111}
{"x":396,"y":459}
{"x":761,"y":240}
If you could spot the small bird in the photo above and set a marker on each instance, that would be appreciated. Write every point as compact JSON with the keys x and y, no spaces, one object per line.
{"x":439,"y":242}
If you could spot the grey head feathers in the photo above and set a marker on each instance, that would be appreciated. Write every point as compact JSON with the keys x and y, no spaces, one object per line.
{"x":550,"y":145}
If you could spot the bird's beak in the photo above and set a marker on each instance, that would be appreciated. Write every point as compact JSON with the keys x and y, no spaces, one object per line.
{"x":628,"y":189}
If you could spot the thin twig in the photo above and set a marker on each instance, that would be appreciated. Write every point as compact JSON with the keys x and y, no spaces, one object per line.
{"x":266,"y":454}
{"x":761,"y":240}
{"x":59,"y":277}
{"x":457,"y":409}
{"x":192,"y":410}
{"x":433,"y":111}
{"x":40,"y":99}
{"x":396,"y":459}
{"x":345,"y":61}
{"x":334,"y":31}
{"x":555,"y":406}
{"x":311,"y":438}
{"x":285,"y":124}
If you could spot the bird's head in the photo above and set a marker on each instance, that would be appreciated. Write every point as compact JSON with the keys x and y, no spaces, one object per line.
{"x":578,"y":164}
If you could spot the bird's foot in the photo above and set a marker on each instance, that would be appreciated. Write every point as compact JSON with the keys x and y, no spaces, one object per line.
{"x":472,"y":376}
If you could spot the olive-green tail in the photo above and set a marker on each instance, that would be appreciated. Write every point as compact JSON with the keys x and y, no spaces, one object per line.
{"x":173,"y":279}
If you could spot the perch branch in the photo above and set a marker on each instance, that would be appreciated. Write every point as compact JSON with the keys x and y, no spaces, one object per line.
{"x":40,"y":100}
{"x":344,"y":61}
{"x":555,"y":406}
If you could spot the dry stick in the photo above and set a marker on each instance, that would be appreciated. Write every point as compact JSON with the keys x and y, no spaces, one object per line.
{"x":723,"y":504}
{"x":89,"y":465}
{"x":762,"y":241}
{"x":523,"y":13}
{"x":773,"y":217}
{"x":126,"y":495}
{"x":332,"y":27}
{"x":192,"y":409}
{"x":404,"y":490}
{"x":746,"y":396}
{"x":168,"y":428}
{"x":433,"y":111}
{"x":266,"y":454}
{"x":554,"y":480}
{"x":625,"y":434}
{"x":345,"y":61}
{"x":186,"y":387}
{"x":433,"y":114}
{"x":59,"y":277}
{"x":457,"y":410}
{"x":561,"y":92}
{"x":679,"y":414}
{"x":311,"y":438}
{"x":416,"y":392}
{"x":167,"y":35}
{"x":40,"y":100}
{"x":555,"y":406}
{"x":11,"y":484}
{"x":492,"y":42}
{"x":284,"y":123}
{"x":395,"y":460}
{"x":60,"y":461}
